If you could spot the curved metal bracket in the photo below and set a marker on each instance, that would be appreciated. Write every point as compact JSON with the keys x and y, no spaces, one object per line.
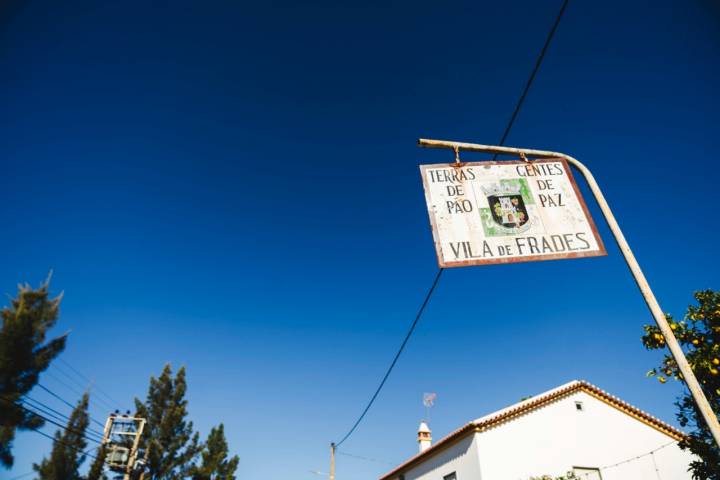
{"x":642,"y":283}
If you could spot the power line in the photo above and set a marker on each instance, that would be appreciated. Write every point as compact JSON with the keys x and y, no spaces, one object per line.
{"x":75,"y":391}
{"x":360,"y":457}
{"x":55,"y":440}
{"x":47,"y":410}
{"x":53,"y":422}
{"x":85,"y":387}
{"x":55,"y":395}
{"x":94,"y":385}
{"x":397,"y":355}
{"x":60,"y":425}
{"x":509,"y":126}
{"x":59,"y":415}
{"x":65,"y":401}
{"x":534,"y":72}
{"x":22,"y":476}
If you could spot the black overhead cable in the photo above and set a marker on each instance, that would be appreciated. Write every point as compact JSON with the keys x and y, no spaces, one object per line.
{"x":368,"y":459}
{"x":397,"y":355}
{"x":73,"y":406}
{"x":86,"y":387}
{"x":60,"y":425}
{"x":56,"y":395}
{"x":59,"y":415}
{"x":45,"y":410}
{"x":514,"y":115}
{"x":75,"y":391}
{"x":531,"y":78}
{"x":94,"y":385}
{"x":67,"y":403}
{"x":55,"y":440}
{"x":23,"y":475}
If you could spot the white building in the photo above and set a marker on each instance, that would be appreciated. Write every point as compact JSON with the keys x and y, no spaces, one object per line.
{"x":575,"y":427}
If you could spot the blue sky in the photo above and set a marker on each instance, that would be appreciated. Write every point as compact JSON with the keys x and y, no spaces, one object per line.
{"x":234,"y":187}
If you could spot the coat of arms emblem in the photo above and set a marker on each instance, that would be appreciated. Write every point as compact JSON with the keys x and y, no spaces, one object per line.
{"x":506,"y":206}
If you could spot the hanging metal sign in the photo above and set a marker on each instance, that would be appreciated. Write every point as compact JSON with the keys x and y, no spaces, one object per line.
{"x":510,"y":211}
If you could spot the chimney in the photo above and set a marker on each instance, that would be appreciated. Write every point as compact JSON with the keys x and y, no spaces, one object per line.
{"x":424,"y":438}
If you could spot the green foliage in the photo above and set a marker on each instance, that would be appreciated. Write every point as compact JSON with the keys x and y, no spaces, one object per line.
{"x":172,"y":445}
{"x":699,"y":335}
{"x":96,"y":469}
{"x":67,"y":452}
{"x":215,"y":464}
{"x":24,"y":354}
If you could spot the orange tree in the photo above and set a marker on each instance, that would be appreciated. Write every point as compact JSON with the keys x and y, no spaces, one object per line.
{"x":699,"y":334}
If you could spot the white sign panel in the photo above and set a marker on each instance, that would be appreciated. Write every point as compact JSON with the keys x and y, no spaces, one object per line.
{"x":510,"y":211}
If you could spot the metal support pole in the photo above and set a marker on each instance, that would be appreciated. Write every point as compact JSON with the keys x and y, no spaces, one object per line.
{"x":642,"y":283}
{"x":332,"y":461}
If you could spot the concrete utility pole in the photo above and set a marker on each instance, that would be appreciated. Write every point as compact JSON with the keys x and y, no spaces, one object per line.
{"x":121,"y":439}
{"x":332,"y":461}
{"x":642,"y":283}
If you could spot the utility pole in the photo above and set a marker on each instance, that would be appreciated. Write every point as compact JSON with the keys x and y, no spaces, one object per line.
{"x":332,"y":461}
{"x":144,"y":462}
{"x":121,"y":439}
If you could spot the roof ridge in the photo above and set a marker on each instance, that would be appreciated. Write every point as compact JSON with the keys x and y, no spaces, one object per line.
{"x":526,"y":406}
{"x":530,"y":400}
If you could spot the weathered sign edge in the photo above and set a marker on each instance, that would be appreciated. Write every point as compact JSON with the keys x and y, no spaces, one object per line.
{"x":600,"y":252}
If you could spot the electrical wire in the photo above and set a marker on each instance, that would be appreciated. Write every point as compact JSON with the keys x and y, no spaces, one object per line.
{"x":46,"y":410}
{"x":360,"y":457}
{"x":94,"y":385}
{"x":397,"y":355}
{"x":53,"y":422}
{"x":62,"y":417}
{"x":57,"y":415}
{"x":534,"y":72}
{"x":66,"y":402}
{"x":509,"y":126}
{"x":22,"y":476}
{"x":55,"y":440}
{"x":64,"y":427}
{"x":75,"y":391}
{"x":55,"y":395}
{"x":82,"y":385}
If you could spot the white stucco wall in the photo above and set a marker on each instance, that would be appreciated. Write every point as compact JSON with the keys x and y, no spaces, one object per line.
{"x":460,"y":458}
{"x":553,"y":439}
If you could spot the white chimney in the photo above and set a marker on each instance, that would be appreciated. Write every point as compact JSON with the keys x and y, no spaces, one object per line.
{"x":424,"y":438}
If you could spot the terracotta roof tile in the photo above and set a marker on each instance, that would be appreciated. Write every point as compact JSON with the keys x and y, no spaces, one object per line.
{"x":521,"y":408}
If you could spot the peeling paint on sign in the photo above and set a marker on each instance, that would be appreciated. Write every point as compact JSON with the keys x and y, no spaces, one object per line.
{"x":511,"y":211}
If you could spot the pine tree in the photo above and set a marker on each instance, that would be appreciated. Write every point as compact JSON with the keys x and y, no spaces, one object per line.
{"x":68,"y":449}
{"x":97,"y":467}
{"x":24,"y":354}
{"x":172,"y":445}
{"x":215,"y":464}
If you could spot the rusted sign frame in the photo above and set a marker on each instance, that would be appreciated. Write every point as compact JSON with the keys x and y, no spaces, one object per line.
{"x":642,"y":283}
{"x":530,"y":258}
